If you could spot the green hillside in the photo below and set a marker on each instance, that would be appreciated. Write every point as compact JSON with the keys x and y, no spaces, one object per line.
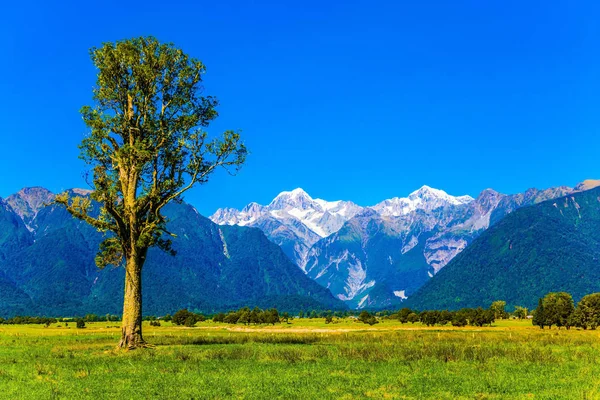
{"x":551,"y":246}
{"x":51,"y":270}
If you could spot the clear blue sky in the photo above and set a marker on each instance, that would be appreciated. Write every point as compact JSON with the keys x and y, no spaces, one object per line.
{"x":349,"y":100}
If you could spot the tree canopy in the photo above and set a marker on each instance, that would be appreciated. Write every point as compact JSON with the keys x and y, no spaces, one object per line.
{"x":146,"y":147}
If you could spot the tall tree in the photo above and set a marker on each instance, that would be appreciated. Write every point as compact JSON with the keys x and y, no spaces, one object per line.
{"x":146,"y":147}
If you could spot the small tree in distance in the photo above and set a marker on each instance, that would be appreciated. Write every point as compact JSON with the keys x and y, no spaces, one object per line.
{"x":520,"y":312}
{"x":146,"y":148}
{"x":498,"y":308}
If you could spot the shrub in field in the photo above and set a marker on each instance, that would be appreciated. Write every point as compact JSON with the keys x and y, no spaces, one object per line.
{"x":187,"y":318}
{"x":220,"y":317}
{"x":80,"y":324}
{"x":459,"y":319}
{"x":403,"y":314}
{"x":367,"y":318}
{"x":520,"y":312}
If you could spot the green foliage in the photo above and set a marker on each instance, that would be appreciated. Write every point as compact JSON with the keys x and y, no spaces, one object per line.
{"x":187,"y":318}
{"x":255,"y":316}
{"x":412,"y":317}
{"x":587,"y":314}
{"x":80,"y":323}
{"x":539,"y":315}
{"x":521,"y":312}
{"x":19,"y":320}
{"x":556,"y":309}
{"x":403,"y":314}
{"x":367,"y":318}
{"x":460,"y":318}
{"x":498,"y":307}
{"x":146,"y":143}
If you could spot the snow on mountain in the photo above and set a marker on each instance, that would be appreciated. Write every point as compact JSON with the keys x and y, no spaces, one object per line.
{"x":399,"y":244}
{"x":378,"y":256}
{"x":426,"y":198}
{"x":294,"y":220}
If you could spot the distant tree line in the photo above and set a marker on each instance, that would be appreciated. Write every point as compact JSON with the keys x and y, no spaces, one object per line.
{"x":554,"y":309}
{"x":460,"y":318}
{"x":255,"y":316}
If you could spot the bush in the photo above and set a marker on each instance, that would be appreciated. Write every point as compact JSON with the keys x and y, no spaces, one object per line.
{"x":80,"y":324}
{"x":366,"y":318}
{"x":187,"y":318}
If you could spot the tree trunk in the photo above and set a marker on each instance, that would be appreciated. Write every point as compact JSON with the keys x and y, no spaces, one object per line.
{"x":131,"y":328}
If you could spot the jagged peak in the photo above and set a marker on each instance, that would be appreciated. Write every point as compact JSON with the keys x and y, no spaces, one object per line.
{"x":429,"y":192}
{"x":489,"y":192}
{"x":296,"y":197}
{"x":587,"y":184}
{"x":298,"y":192}
{"x":32,"y":189}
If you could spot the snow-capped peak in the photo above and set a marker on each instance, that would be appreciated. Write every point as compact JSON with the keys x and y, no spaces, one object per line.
{"x":425,"y":198}
{"x":429,"y":193}
{"x":304,"y":217}
{"x":296,"y":198}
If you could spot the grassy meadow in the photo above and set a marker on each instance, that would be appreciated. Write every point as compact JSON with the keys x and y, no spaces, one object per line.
{"x":305,"y":359}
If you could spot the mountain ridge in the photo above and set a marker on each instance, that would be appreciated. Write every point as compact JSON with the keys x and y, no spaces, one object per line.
{"x":439,"y":225}
{"x":52,"y":271}
{"x":550,"y":246}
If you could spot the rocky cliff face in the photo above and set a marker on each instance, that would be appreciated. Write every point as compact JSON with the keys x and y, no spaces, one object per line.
{"x":549,"y":247}
{"x":293,"y":220}
{"x":380,"y":255}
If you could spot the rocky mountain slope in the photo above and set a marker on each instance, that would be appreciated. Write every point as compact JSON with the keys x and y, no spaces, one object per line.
{"x":49,"y":268}
{"x":380,"y":255}
{"x":551,"y":246}
{"x":293,"y":220}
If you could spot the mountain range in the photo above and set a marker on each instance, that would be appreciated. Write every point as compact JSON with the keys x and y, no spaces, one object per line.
{"x":378,"y":256}
{"x":427,"y":250}
{"x":550,"y":247}
{"x":47,"y":266}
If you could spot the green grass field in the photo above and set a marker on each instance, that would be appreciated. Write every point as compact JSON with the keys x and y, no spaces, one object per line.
{"x":302,"y":360}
